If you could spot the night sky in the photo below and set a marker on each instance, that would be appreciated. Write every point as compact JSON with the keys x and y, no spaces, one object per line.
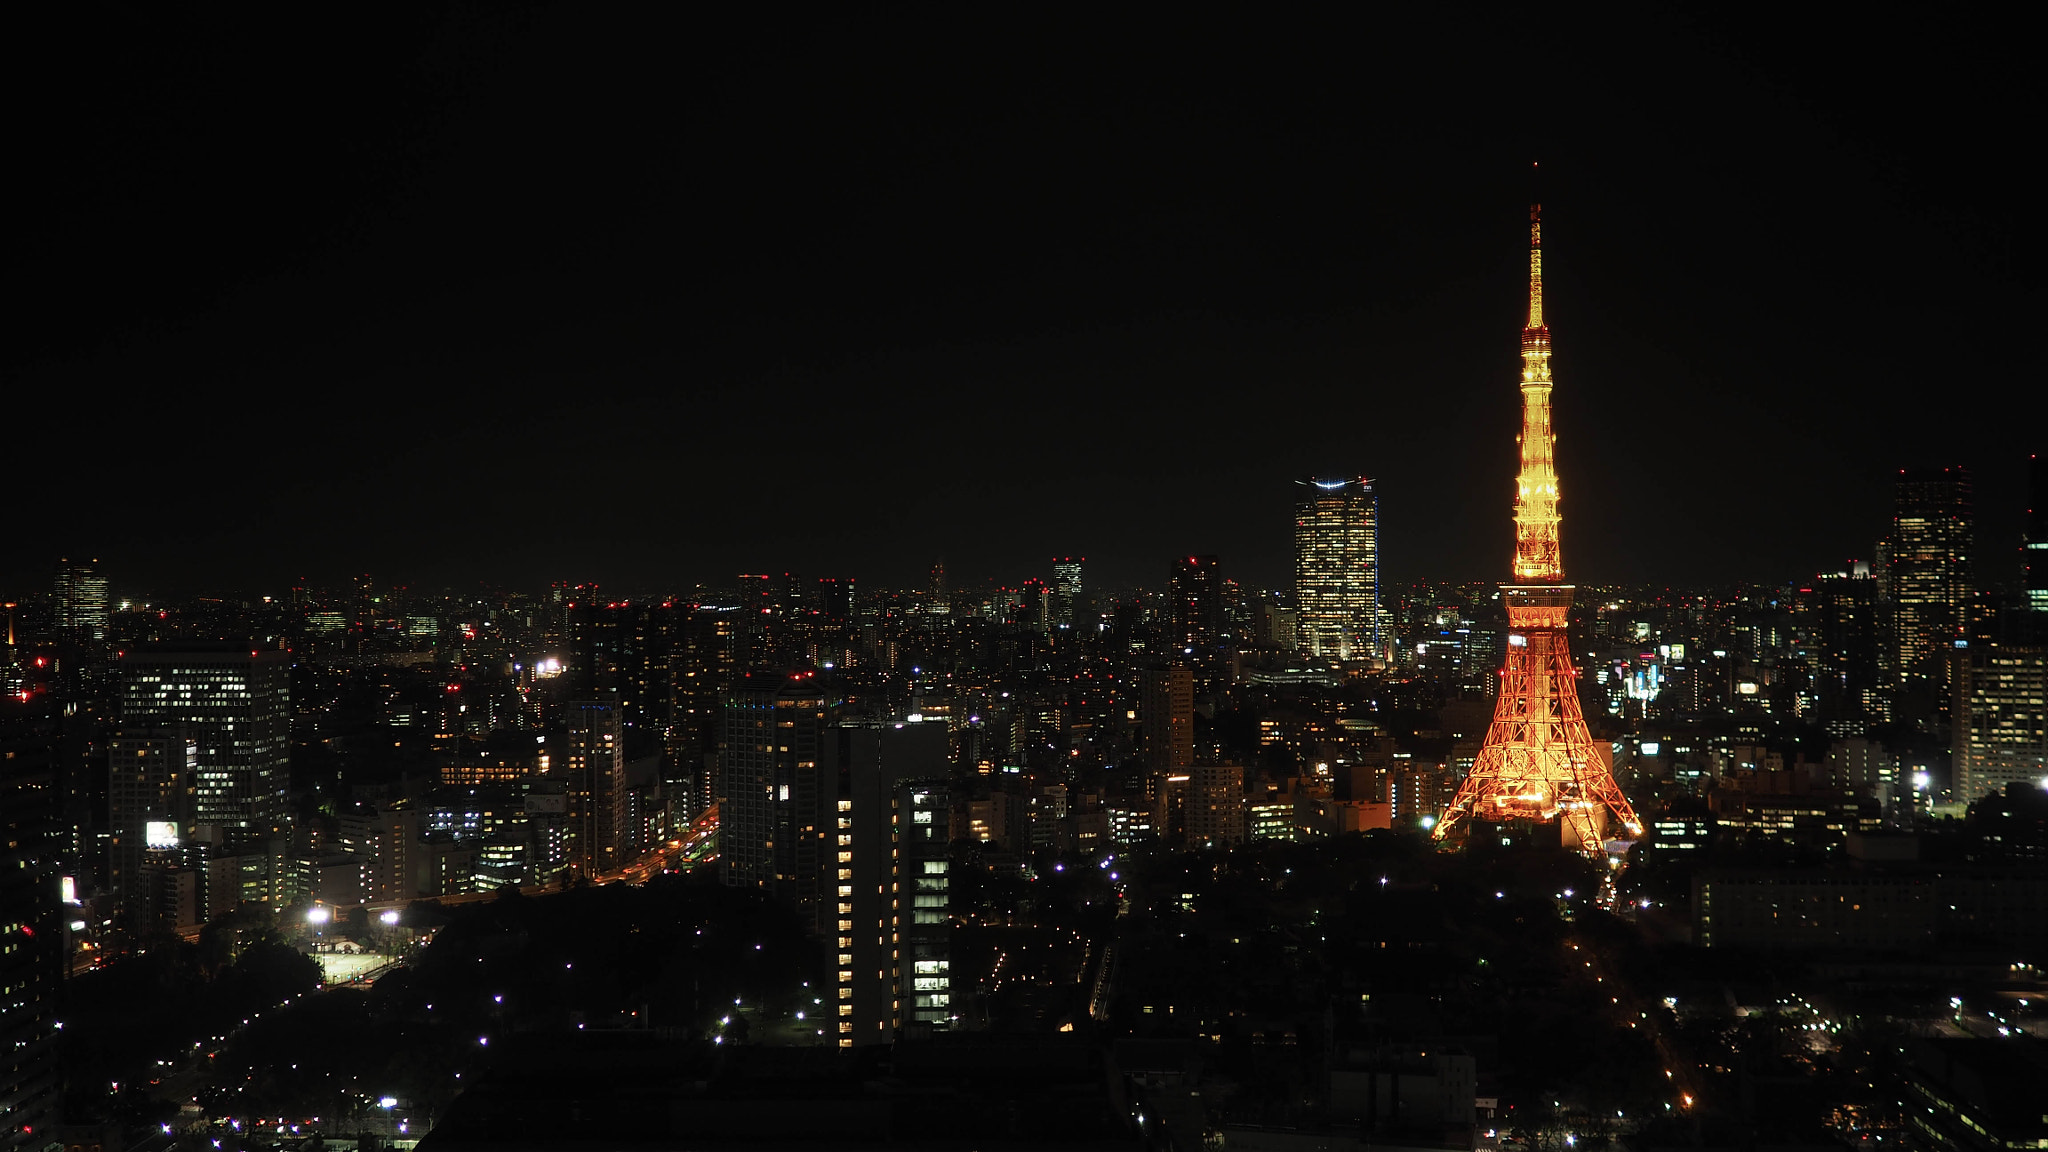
{"x":519,"y":294}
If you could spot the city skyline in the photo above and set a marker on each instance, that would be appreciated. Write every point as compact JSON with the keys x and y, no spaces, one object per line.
{"x":741,"y":577}
{"x":461,"y":300}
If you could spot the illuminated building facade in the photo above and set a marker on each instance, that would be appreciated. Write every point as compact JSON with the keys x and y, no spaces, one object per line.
{"x":150,"y":781}
{"x":1066,"y":588}
{"x":1930,"y":569}
{"x":1195,"y":606}
{"x":1167,"y":718}
{"x":593,"y":765}
{"x":1539,"y":761}
{"x":1215,"y":812}
{"x":1337,"y":569}
{"x":622,"y":652}
{"x":702,"y":665}
{"x":235,"y":704}
{"x":80,"y":592}
{"x":31,"y":956}
{"x":773,"y":811}
{"x":2001,"y":719}
{"x":890,"y":918}
{"x":1851,"y":642}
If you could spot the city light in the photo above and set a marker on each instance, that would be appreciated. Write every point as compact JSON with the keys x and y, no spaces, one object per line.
{"x":317,"y":915}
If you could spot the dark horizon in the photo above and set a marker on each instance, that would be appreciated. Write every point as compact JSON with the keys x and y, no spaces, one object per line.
{"x":526,"y":294}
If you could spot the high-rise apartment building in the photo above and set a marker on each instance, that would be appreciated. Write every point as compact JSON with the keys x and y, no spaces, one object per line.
{"x":890,"y":917}
{"x":1215,"y":812}
{"x":1337,"y":569}
{"x":31,"y":960}
{"x":80,"y":591}
{"x":1166,"y":718}
{"x":151,"y":778}
{"x":1195,"y":606}
{"x":1066,"y":588}
{"x":1930,"y":569}
{"x":2001,"y":719}
{"x":31,"y":957}
{"x":235,"y":703}
{"x":593,"y":768}
{"x":622,"y":652}
{"x":773,"y":814}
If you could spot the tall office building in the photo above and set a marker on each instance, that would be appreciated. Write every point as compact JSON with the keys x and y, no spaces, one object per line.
{"x":1851,"y":640}
{"x":1930,"y":569}
{"x":80,"y":591}
{"x":773,"y":814}
{"x":1066,"y":588}
{"x":151,"y":776}
{"x":2001,"y":719}
{"x":234,"y":703}
{"x":709,"y":651}
{"x":594,"y":771}
{"x":31,"y":957}
{"x":1166,"y":718}
{"x":891,"y":913}
{"x":1337,"y":569}
{"x":824,"y":635}
{"x":1195,"y":606}
{"x":2036,"y":546}
{"x":621,"y":652}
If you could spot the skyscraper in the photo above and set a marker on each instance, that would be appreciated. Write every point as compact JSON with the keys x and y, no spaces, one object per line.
{"x":1066,"y":588}
{"x":773,"y":815}
{"x":621,"y":652}
{"x":1539,"y":761}
{"x":890,"y":878}
{"x":594,"y":766}
{"x":1930,"y":569}
{"x":151,"y":775}
{"x":1167,"y":718}
{"x":1195,"y":607}
{"x":1851,"y":641}
{"x":1337,"y":569}
{"x":235,"y":703}
{"x":81,"y":595}
{"x":31,"y":956}
{"x":2001,"y":719}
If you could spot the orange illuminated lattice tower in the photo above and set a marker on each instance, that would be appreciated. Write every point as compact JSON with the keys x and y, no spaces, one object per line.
{"x":1539,"y":762}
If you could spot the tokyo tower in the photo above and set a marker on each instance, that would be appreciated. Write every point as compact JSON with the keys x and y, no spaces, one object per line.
{"x":1539,"y":762}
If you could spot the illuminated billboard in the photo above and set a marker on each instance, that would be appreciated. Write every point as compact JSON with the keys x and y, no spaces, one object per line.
{"x":160,"y":834}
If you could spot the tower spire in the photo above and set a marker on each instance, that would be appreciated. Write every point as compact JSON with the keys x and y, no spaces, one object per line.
{"x":1537,"y":558}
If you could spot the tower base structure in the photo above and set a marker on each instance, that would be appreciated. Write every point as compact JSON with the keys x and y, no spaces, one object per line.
{"x":1539,"y":762}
